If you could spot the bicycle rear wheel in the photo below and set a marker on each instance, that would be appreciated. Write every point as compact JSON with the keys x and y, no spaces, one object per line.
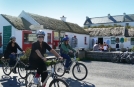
{"x":58,"y":83}
{"x":81,"y":69}
{"x":5,"y":67}
{"x":21,"y":70}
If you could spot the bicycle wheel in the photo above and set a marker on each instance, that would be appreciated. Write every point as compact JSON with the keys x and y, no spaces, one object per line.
{"x":21,"y":70}
{"x":115,"y":59}
{"x":58,"y":83}
{"x":5,"y":67}
{"x":29,"y":80}
{"x":59,"y":69}
{"x":81,"y":69}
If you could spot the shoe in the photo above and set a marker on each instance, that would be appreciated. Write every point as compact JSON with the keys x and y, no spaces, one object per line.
{"x":36,"y":81}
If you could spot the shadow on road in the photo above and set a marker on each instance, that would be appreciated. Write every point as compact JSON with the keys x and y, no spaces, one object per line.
{"x":8,"y":81}
{"x":76,"y":83}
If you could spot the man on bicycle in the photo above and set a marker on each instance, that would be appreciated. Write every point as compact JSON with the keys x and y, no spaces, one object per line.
{"x":65,"y":48}
{"x":37,"y":58}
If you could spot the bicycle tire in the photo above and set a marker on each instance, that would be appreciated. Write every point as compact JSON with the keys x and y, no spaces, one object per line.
{"x":58,"y":80}
{"x":21,"y":65}
{"x":85,"y":71}
{"x":3,"y":65}
{"x":115,"y":59}
{"x":56,"y":72}
{"x":26,"y":82}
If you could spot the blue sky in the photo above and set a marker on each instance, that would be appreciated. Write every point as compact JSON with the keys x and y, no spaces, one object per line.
{"x":75,"y":10}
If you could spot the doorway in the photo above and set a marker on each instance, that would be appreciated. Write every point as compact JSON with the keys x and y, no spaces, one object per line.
{"x":100,"y":40}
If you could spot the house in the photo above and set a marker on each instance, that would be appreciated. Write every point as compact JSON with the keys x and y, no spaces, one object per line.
{"x":57,"y":29}
{"x":116,"y":37}
{"x":54,"y":29}
{"x":117,"y":20}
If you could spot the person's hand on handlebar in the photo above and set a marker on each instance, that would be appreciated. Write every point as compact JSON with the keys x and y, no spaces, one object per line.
{"x":45,"y":59}
{"x":61,"y":58}
{"x":23,"y":52}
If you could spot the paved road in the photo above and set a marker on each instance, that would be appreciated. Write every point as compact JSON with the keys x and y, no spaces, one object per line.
{"x":100,"y":74}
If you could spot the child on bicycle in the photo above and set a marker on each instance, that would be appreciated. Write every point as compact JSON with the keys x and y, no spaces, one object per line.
{"x":65,"y":48}
{"x":37,"y":58}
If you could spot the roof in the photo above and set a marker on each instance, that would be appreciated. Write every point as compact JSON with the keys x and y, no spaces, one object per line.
{"x":17,"y":22}
{"x":110,"y":19}
{"x":112,"y":31}
{"x":58,"y":25}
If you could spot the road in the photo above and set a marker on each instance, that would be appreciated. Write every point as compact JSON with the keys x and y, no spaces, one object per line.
{"x":100,"y":74}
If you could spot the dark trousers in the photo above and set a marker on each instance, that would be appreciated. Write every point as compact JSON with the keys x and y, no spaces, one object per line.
{"x":12,"y":61}
{"x":41,"y":67}
{"x":68,"y":60}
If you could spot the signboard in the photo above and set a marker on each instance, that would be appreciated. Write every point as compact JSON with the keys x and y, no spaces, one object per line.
{"x":32,"y":37}
{"x":6,"y":36}
{"x":36,"y":27}
{"x":56,"y":35}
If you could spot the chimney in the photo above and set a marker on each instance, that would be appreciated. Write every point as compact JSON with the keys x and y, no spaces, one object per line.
{"x":109,"y":15}
{"x":63,"y":18}
{"x":124,"y":14}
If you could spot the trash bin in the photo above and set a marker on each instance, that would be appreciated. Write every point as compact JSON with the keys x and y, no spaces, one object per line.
{"x":81,"y":53}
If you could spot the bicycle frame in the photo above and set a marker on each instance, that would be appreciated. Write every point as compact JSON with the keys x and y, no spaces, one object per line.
{"x":18,"y":60}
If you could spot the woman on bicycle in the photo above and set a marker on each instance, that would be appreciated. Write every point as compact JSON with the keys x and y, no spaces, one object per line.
{"x":37,"y":58}
{"x":11,"y":51}
{"x":64,"y":51}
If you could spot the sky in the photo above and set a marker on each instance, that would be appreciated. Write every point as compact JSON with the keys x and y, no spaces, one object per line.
{"x":75,"y":10}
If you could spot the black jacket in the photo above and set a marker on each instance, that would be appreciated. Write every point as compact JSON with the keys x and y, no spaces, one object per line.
{"x":8,"y":49}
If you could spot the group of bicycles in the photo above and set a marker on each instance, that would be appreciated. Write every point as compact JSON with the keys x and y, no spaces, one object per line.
{"x":126,"y":56}
{"x":57,"y":70}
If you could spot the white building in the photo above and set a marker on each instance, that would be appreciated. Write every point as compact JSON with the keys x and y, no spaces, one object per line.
{"x":120,"y":20}
{"x":54,"y":29}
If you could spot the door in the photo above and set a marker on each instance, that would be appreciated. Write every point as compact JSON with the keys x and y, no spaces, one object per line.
{"x":25,"y":42}
{"x":100,"y":40}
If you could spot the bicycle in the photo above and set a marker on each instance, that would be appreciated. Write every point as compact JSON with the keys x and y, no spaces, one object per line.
{"x":77,"y":65}
{"x":51,"y":73}
{"x":8,"y":69}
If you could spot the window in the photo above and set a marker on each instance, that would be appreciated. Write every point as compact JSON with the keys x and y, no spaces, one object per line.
{"x":26,"y":38}
{"x":112,"y":40}
{"x":49,"y":38}
{"x":132,"y":41}
{"x":85,"y":40}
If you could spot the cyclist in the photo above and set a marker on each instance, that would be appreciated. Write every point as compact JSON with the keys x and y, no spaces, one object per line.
{"x":11,"y":51}
{"x":65,"y":49}
{"x":37,"y":58}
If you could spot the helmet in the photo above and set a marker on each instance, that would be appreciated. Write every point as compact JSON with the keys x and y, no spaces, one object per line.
{"x":12,"y":37}
{"x":65,"y":39}
{"x":40,"y":32}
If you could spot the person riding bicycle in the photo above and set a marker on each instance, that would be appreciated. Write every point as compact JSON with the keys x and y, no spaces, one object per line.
{"x":37,"y":59}
{"x":11,"y":51}
{"x":65,"y":49}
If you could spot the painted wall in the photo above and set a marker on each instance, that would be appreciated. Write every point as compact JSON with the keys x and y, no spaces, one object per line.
{"x":80,"y":38}
{"x":126,"y":43}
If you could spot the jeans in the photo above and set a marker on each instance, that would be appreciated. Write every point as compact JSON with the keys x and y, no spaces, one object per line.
{"x":68,"y":60}
{"x":12,"y":59}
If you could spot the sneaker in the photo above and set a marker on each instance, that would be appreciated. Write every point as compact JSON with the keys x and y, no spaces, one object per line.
{"x":36,"y":81}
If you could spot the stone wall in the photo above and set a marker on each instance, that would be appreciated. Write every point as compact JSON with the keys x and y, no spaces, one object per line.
{"x":102,"y":56}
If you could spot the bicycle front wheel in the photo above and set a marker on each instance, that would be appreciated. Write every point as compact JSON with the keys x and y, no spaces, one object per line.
{"x":58,"y":83}
{"x":59,"y":69}
{"x":79,"y":71}
{"x":21,"y":70}
{"x":5,"y":67}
